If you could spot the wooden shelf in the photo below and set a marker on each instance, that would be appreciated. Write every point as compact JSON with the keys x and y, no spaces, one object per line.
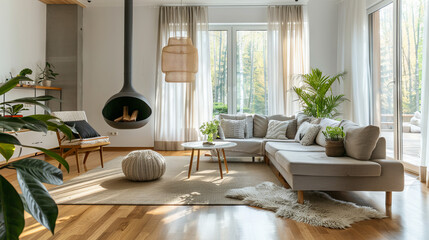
{"x":64,"y":2}
{"x":38,"y":87}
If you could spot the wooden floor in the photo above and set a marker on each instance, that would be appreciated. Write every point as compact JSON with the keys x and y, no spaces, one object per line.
{"x":409,"y":220}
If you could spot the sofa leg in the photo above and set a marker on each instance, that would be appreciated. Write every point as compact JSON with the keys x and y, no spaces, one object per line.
{"x":267,"y":160}
{"x":300,"y":197}
{"x":253,"y":159}
{"x":389,"y":199}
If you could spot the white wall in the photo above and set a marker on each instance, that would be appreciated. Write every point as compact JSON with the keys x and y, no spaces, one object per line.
{"x":23,"y":36}
{"x":103,"y":55}
{"x":103,"y":64}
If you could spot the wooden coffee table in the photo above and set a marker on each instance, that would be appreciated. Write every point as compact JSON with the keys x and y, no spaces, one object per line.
{"x":218,"y":146}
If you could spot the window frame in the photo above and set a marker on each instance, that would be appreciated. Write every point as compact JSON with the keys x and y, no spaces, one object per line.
{"x":232,"y":30}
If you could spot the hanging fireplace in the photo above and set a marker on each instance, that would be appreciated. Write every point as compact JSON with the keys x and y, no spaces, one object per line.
{"x":127,"y":109}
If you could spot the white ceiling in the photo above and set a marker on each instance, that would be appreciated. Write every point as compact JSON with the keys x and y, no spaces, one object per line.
{"x":193,"y":2}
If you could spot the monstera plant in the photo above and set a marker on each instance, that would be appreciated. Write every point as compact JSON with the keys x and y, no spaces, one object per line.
{"x":316,"y":96}
{"x":31,"y":173}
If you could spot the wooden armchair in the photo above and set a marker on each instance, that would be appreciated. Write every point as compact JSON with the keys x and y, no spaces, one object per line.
{"x":77,"y":146}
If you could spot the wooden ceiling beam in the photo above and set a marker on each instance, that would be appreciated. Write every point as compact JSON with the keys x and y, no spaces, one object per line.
{"x":63,"y":2}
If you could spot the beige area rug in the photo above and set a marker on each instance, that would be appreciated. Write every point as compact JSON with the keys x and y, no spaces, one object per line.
{"x":108,"y":185}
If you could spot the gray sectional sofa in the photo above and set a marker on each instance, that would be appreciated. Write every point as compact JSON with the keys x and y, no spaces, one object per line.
{"x":363,"y":168}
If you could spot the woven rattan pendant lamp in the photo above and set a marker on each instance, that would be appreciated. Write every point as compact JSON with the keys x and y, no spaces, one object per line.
{"x":179,"y":60}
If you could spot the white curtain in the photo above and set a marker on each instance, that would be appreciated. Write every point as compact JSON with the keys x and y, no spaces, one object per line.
{"x":425,"y":102}
{"x":288,"y":56}
{"x":182,"y":107}
{"x":353,"y":58}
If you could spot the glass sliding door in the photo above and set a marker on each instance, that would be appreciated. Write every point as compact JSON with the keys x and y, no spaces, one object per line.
{"x":382,"y":39}
{"x":412,"y":23}
{"x":396,"y":40}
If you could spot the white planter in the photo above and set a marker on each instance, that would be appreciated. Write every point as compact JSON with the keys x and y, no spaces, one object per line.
{"x":46,"y":83}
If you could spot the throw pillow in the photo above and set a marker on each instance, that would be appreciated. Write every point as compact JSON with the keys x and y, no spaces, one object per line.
{"x":291,"y":129}
{"x":277,"y":129}
{"x":360,"y":142}
{"x":233,"y":128}
{"x":260,"y":123}
{"x":83,"y":129}
{"x":248,"y":131}
{"x":301,"y":118}
{"x":325,"y":122}
{"x":307,"y":133}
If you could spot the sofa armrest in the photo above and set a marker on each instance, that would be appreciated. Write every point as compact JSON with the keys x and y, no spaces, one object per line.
{"x":392,"y":174}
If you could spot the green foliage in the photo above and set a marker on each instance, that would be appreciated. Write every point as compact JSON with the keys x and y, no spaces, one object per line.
{"x":48,"y":73}
{"x":13,"y":110}
{"x":334,"y":133}
{"x":316,"y":95}
{"x":24,"y":72}
{"x":31,"y":173}
{"x":219,"y":107}
{"x":209,"y":129}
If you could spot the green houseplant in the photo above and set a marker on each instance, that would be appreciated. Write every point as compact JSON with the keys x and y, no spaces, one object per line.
{"x":209,"y":129}
{"x":13,"y":110}
{"x":47,"y":75}
{"x":334,"y":137}
{"x":316,"y":96}
{"x":31,"y":173}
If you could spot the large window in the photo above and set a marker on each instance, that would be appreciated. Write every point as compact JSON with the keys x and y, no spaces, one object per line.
{"x":238,"y":69}
{"x":396,"y":53}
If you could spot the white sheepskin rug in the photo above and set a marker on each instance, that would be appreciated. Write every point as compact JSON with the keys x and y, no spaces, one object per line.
{"x":319,"y":209}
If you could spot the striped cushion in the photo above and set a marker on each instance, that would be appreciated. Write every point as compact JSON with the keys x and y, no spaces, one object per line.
{"x":277,"y":129}
{"x":233,"y":128}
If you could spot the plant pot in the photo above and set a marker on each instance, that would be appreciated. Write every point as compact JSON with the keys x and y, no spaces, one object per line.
{"x":334,"y":148}
{"x":14,"y":116}
{"x":46,"y":83}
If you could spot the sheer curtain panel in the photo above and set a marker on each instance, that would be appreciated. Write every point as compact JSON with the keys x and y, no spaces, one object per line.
{"x":288,"y":56}
{"x":181,"y":108}
{"x":353,"y":58}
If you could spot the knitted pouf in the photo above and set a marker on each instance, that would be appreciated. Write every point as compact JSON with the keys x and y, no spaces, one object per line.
{"x":143,"y":165}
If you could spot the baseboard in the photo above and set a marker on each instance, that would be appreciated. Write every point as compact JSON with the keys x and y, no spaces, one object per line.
{"x":126,"y":148}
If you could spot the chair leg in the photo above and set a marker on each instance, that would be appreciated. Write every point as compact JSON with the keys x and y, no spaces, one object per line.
{"x":77,"y":160}
{"x":61,"y":154}
{"x":300,"y":197}
{"x":86,"y":157}
{"x":101,"y":157}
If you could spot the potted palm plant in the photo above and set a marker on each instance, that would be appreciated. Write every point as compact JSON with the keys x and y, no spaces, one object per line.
{"x":316,"y":95}
{"x":47,"y":75}
{"x":13,"y":110}
{"x":31,"y":173}
{"x":209,"y":129}
{"x":334,"y":137}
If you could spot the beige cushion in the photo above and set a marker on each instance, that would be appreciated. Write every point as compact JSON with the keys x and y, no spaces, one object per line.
{"x":360,"y":142}
{"x":325,"y":122}
{"x":277,"y":129}
{"x":307,"y":133}
{"x":380,"y":149}
{"x":274,"y":147}
{"x":318,"y":164}
{"x":248,"y":131}
{"x":233,"y":128}
{"x":260,"y":123}
{"x":86,"y":141}
{"x":301,"y":118}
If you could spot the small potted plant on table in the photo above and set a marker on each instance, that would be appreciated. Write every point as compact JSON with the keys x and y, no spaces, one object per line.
{"x":47,"y":75}
{"x":334,"y":137}
{"x":209,"y":129}
{"x":13,"y":110}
